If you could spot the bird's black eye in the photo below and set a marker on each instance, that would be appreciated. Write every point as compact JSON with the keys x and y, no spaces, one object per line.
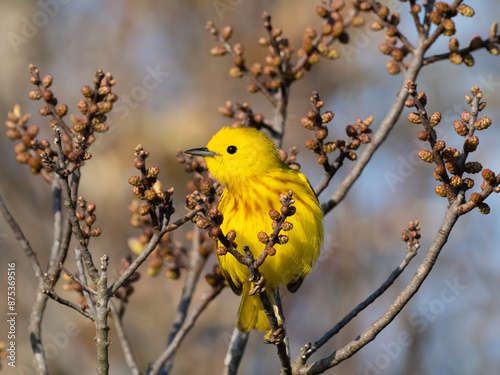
{"x":231,"y":149}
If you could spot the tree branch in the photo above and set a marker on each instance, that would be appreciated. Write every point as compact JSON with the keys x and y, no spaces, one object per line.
{"x":382,"y":132}
{"x":309,"y":349}
{"x":196,"y":264}
{"x":125,"y":343}
{"x":21,"y":238}
{"x":235,"y":351}
{"x":205,"y":299}
{"x":377,"y":326}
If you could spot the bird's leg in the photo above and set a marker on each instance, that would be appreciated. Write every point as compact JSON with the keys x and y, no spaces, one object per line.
{"x":276,"y":336}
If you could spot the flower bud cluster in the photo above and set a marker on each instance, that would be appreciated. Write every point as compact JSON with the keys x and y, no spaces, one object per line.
{"x":357,"y":133}
{"x":411,"y":235}
{"x":147,"y":187}
{"x":449,"y":159}
{"x":86,"y":215}
{"x":242,"y":114}
{"x":72,"y":143}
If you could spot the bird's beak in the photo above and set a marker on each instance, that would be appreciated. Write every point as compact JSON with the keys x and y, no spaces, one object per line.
{"x":202,"y":151}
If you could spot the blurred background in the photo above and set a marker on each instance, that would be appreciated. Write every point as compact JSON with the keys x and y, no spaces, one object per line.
{"x":169,"y":89}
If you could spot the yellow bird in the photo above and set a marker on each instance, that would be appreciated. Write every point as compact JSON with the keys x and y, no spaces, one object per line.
{"x":247,"y":162}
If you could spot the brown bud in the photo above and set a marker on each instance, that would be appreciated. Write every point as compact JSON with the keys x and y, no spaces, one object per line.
{"x":456,"y":58}
{"x":226,"y":32}
{"x":473,"y":167}
{"x":435,"y":17}
{"x":426,"y":156}
{"x":263,"y":237}
{"x":414,"y":118}
{"x":312,"y":144}
{"x":488,"y":175}
{"x":221,"y":250}
{"x":435,"y":118}
{"x":385,"y":48}
{"x":87,"y":91}
{"x":322,"y":11}
{"x":329,"y":146}
{"x":476,"y":198}
{"x":476,"y":42}
{"x":449,"y":27}
{"x":440,"y":145}
{"x":238,"y":48}
{"x":35,"y":94}
{"x":483,"y":208}
{"x":442,"y":7}
{"x":453,"y":44}
{"x":274,"y":215}
{"x":392,"y":67}
{"x":322,"y":159}
{"x":321,"y":133}
{"x":376,"y":26}
{"x":465,"y":10}
{"x":47,"y":80}
{"x":383,"y":12}
{"x":440,"y":190}
{"x":423,"y":135}
{"x":482,"y":123}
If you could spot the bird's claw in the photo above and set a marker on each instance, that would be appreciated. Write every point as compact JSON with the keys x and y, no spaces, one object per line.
{"x":275,"y":337}
{"x":258,"y":286}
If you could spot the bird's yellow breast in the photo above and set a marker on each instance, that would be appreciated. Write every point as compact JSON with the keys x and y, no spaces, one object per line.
{"x":245,"y":207}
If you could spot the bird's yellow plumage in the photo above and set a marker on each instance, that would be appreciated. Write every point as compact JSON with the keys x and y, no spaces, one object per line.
{"x":246,"y":161}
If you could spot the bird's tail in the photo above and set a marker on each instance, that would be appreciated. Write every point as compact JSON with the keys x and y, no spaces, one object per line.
{"x":251,"y":314}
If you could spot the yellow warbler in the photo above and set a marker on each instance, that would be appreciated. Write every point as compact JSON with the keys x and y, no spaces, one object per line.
{"x":246,"y":161}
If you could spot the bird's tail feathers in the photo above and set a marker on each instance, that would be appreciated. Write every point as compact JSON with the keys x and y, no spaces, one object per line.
{"x":251,"y":314}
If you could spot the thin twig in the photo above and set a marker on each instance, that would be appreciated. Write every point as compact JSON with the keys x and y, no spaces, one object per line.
{"x":401,"y":300}
{"x":196,"y":264}
{"x":101,"y":318}
{"x":83,"y":281}
{"x":58,"y":224}
{"x":309,"y":349}
{"x":464,"y":51}
{"x":53,"y":295}
{"x":153,"y":242}
{"x":382,"y":132}
{"x":35,"y":329}
{"x":235,"y":351}
{"x":21,"y":238}
{"x":205,"y":299}
{"x":124,"y":341}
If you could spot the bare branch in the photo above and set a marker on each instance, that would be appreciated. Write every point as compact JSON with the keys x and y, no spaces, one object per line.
{"x":21,"y":238}
{"x":205,"y":299}
{"x":101,"y":318}
{"x":382,"y":132}
{"x":125,"y":343}
{"x":196,"y":264}
{"x":235,"y":352}
{"x":53,"y":295}
{"x":402,"y":299}
{"x":309,"y":349}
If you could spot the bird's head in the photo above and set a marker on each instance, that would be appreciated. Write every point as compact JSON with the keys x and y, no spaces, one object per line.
{"x":239,"y":154}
